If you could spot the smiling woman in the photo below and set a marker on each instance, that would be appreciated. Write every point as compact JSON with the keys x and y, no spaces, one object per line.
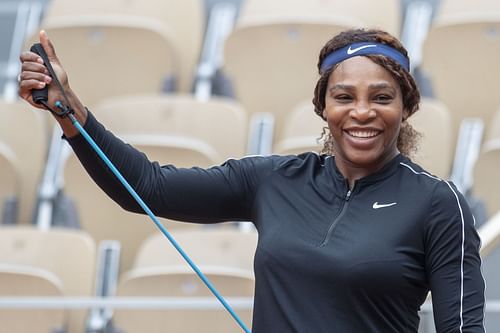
{"x":364,"y":110}
{"x":384,"y":50}
{"x":352,"y":240}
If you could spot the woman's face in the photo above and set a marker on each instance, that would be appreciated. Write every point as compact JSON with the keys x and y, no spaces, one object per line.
{"x":364,"y":111}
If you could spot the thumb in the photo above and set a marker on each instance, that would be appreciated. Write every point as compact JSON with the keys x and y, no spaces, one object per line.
{"x":48,"y":47}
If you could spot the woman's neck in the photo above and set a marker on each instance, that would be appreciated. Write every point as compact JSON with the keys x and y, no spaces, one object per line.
{"x":353,"y":172}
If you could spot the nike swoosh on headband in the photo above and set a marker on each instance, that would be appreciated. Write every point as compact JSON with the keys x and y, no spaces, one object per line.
{"x":364,"y":48}
{"x":352,"y":51}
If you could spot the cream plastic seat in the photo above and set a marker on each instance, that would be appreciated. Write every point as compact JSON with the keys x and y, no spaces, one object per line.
{"x":301,"y":131}
{"x":220,"y":123}
{"x":486,"y":181}
{"x":24,"y":131}
{"x":225,"y":256}
{"x":460,"y":54}
{"x":272,"y":53}
{"x":114,"y":54}
{"x":10,"y":179}
{"x":18,"y":280}
{"x":182,"y":282}
{"x":207,"y":247}
{"x":435,"y":151}
{"x":183,"y":18}
{"x":70,"y":255}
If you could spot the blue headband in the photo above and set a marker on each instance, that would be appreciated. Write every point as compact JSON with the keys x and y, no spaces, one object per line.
{"x":364,"y":48}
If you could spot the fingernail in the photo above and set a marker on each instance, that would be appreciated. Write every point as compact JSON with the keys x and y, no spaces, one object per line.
{"x":48,"y":79}
{"x":39,"y":60}
{"x":41,"y":84}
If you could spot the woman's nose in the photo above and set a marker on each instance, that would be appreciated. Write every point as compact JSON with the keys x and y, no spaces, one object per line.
{"x":362,"y":112}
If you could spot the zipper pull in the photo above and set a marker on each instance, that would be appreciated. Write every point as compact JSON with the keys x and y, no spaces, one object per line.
{"x":348,"y":195}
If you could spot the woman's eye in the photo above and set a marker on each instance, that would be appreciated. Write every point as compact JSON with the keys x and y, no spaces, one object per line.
{"x":343,"y":98}
{"x":383,"y":98}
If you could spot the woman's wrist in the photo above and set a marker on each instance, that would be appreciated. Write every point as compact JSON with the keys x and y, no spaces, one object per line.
{"x":79,"y":111}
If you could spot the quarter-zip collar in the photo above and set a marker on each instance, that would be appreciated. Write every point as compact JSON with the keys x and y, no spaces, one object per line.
{"x":341,"y":184}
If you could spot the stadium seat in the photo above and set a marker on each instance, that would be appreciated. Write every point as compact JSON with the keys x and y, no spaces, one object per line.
{"x":17,"y":280}
{"x":184,"y":20}
{"x":67,"y":254}
{"x":113,"y":55}
{"x":219,"y":123}
{"x":25,"y":132}
{"x":126,"y":47}
{"x":301,"y":131}
{"x":435,"y":151}
{"x":182,"y":282}
{"x":225,"y":256}
{"x":10,"y":181}
{"x":486,"y":181}
{"x":207,"y":247}
{"x":460,"y":55}
{"x":271,"y":54}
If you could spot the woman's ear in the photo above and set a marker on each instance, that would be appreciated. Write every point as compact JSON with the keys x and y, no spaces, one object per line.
{"x":323,"y":114}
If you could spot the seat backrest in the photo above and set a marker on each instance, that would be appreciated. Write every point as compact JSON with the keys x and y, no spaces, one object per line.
{"x":104,"y":64}
{"x":466,"y":34}
{"x":10,"y":178}
{"x":24,"y":130}
{"x":184,"y":18}
{"x":185,"y":151}
{"x":221,"y":123}
{"x":30,"y":281}
{"x":68,"y":254}
{"x":382,"y":14}
{"x":207,"y":246}
{"x":301,"y":131}
{"x":486,"y":180}
{"x":182,"y":282}
{"x":435,"y":150}
{"x":272,"y":53}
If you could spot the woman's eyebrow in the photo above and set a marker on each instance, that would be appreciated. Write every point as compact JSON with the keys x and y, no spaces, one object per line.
{"x":342,"y":86}
{"x":374,"y":86}
{"x":381,"y":85}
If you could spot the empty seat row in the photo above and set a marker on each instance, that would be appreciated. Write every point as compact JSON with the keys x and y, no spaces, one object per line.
{"x":45,"y":263}
{"x":166,"y":39}
{"x":61,"y":262}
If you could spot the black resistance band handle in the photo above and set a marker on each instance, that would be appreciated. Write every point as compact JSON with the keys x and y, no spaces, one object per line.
{"x":40,"y":96}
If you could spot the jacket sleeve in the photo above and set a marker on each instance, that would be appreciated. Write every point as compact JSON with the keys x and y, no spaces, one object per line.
{"x":216,"y":194}
{"x":453,"y":263}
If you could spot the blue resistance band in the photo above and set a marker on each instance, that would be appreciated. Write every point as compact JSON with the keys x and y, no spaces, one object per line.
{"x":155,"y":219}
{"x":364,"y":48}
